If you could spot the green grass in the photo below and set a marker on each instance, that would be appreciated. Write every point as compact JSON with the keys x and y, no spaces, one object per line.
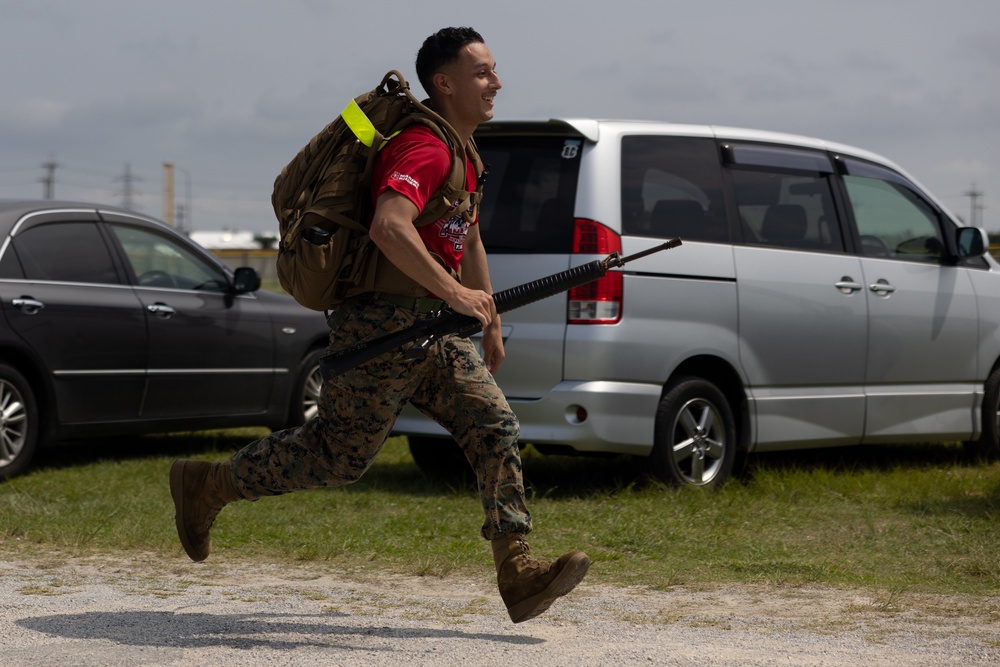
{"x":919,"y":519}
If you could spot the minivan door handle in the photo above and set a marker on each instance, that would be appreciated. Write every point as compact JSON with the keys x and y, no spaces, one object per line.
{"x":882,"y":287}
{"x":847,"y":285}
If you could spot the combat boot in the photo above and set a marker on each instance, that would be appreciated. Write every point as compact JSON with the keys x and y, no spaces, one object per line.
{"x":527,"y":586}
{"x":200,"y":490}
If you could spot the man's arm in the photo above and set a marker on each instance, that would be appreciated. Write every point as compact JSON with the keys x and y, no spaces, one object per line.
{"x":476,"y":275}
{"x":392,"y":230}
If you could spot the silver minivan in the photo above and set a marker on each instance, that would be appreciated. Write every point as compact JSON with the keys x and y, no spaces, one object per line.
{"x":821,"y":297}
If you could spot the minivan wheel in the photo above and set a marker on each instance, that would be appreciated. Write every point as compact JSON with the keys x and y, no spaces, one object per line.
{"x":695,"y":435}
{"x":440,"y":459}
{"x":987,"y":448}
{"x":18,"y":422}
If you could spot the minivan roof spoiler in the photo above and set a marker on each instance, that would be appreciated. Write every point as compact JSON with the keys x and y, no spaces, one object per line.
{"x":591,"y":129}
{"x":581,"y":127}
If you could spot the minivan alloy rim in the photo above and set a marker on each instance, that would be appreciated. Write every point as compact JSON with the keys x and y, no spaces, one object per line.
{"x":699,"y":441}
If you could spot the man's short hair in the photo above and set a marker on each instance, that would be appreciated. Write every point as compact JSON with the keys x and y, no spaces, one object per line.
{"x":440,"y":49}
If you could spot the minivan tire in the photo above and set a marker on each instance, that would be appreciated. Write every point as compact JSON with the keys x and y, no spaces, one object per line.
{"x":695,"y":436}
{"x":987,"y":447}
{"x":440,"y":460}
{"x":18,"y":422}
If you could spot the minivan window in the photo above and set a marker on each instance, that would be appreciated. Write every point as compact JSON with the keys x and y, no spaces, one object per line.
{"x":789,"y":210}
{"x":529,"y":193}
{"x":779,"y":156}
{"x":672,"y":187}
{"x":893,"y":220}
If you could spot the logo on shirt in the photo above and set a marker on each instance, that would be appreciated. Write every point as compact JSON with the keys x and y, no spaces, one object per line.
{"x":406,"y":178}
{"x":455,"y":230}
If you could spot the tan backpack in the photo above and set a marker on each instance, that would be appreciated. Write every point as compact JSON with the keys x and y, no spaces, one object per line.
{"x":322,"y":199}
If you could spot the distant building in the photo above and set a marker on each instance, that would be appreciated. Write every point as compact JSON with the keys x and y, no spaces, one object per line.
{"x":232,"y":240}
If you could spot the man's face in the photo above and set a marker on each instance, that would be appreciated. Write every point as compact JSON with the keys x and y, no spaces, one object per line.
{"x":474,"y":84}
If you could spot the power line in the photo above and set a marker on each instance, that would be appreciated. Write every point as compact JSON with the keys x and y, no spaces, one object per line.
{"x":127,"y":193}
{"x":49,"y":180}
{"x":975,"y":208}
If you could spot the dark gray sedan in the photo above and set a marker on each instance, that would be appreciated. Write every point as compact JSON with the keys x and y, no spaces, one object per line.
{"x":114,"y":324}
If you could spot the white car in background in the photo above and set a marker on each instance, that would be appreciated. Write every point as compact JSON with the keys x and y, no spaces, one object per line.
{"x":821,"y":297}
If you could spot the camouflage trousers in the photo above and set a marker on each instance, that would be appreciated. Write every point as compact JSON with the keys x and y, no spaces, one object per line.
{"x":358,"y":408}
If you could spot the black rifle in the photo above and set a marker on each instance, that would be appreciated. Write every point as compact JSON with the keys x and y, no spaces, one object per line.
{"x":428,"y":330}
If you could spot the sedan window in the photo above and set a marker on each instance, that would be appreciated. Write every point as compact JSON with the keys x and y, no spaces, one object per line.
{"x":65,"y":252}
{"x":158,"y":261}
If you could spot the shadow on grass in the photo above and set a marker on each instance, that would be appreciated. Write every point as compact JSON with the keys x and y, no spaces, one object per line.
{"x":863,"y":458}
{"x":549,"y":476}
{"x":126,"y":448}
{"x":977,"y":505}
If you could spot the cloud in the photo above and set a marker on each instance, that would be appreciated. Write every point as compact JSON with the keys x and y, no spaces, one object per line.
{"x":230,"y":89}
{"x":33,"y":115}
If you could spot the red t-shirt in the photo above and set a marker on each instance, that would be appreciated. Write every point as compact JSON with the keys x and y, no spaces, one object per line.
{"x":416,"y":163}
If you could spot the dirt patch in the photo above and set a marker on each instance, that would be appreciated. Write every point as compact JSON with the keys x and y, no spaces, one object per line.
{"x":100,"y":611}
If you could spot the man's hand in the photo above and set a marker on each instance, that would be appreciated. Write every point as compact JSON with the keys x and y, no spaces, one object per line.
{"x":493,"y":350}
{"x":474,"y":303}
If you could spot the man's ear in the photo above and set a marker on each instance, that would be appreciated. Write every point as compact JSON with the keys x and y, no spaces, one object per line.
{"x":442,"y":83}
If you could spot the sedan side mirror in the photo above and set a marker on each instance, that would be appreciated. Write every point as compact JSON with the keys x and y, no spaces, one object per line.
{"x":971,"y":242}
{"x":246,"y":280}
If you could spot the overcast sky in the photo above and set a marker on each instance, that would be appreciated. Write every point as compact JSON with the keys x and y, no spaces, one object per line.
{"x":229,"y":90}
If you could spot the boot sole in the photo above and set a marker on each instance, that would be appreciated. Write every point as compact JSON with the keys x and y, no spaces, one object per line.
{"x":571,"y":575}
{"x":177,"y":493}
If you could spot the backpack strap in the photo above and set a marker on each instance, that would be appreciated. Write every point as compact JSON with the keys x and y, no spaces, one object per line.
{"x":453,"y":197}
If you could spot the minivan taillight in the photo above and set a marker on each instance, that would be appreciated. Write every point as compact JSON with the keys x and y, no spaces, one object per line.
{"x":599,"y":302}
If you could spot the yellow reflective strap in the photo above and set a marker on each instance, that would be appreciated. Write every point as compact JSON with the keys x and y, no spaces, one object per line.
{"x":361,"y":126}
{"x":359,"y":123}
{"x":384,"y":142}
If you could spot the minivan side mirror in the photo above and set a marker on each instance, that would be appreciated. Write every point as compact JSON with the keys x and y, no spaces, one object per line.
{"x":246,"y":280}
{"x":971,"y":242}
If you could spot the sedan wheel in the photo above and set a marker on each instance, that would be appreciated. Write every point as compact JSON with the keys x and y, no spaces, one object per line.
{"x":311,"y":391}
{"x":18,"y":422}
{"x":306,"y":391}
{"x":695,"y":439}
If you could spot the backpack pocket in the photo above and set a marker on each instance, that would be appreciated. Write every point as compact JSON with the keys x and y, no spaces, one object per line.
{"x":309,"y":271}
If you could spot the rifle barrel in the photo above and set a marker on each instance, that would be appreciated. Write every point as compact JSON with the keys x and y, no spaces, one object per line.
{"x":450,"y":322}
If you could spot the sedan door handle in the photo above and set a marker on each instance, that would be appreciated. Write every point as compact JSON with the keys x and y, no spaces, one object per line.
{"x":161,"y":310}
{"x":28,"y":305}
{"x":848,"y":285}
{"x":882,"y":287}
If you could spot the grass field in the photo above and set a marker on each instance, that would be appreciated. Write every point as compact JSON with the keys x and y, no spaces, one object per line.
{"x":903,"y":518}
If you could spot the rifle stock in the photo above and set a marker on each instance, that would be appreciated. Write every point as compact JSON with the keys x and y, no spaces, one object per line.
{"x":425,"y":332}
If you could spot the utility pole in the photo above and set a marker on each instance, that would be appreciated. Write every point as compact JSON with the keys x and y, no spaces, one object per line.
{"x":168,"y":193}
{"x":127,"y":180}
{"x":49,"y":180}
{"x":184,"y":222}
{"x":974,"y":206}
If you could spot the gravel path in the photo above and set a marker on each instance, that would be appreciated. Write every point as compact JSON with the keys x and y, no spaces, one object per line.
{"x":83,"y":612}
